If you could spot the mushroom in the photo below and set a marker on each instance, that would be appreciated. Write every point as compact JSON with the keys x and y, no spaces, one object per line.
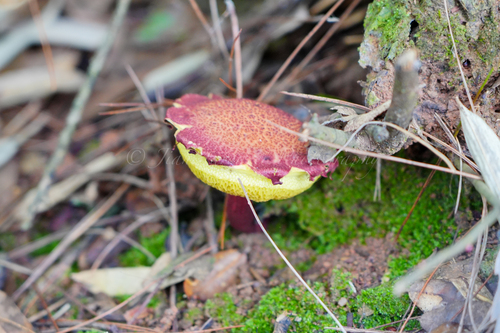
{"x":222,"y":140}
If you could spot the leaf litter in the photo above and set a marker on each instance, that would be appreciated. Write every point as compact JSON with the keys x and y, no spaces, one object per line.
{"x":258,"y":267}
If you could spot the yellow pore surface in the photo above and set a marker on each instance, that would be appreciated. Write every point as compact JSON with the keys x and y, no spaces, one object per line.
{"x":259,"y":188}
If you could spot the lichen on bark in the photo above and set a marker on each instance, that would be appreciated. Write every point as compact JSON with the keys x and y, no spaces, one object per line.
{"x":391,"y":26}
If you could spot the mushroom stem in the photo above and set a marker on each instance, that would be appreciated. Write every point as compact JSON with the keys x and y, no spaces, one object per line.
{"x":240,"y":215}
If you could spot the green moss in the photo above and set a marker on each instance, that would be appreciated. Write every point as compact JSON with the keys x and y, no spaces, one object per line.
{"x":372,"y":99}
{"x":385,"y":306}
{"x":155,"y":301}
{"x":223,"y":310}
{"x":390,"y":20}
{"x":194,"y":314}
{"x":488,"y":42}
{"x":153,"y":26}
{"x":7,"y":241}
{"x":338,"y":210}
{"x":433,"y":38}
{"x":309,"y":316}
{"x":154,"y":244}
{"x":45,"y":249}
{"x":475,"y":30}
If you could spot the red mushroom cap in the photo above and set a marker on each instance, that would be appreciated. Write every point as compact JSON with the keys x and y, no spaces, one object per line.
{"x":235,"y":133}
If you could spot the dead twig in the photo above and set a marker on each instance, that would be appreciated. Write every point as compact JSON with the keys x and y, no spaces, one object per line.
{"x":203,"y":21}
{"x":416,"y":299}
{"x":13,"y":323}
{"x":382,"y":156}
{"x":422,"y":190}
{"x":45,"y":306}
{"x":110,"y":311}
{"x":448,"y":252}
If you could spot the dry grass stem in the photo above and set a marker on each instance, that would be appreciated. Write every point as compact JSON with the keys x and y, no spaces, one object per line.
{"x":319,"y":45}
{"x":47,"y":50}
{"x":455,"y":53}
{"x":304,"y":283}
{"x":416,"y":299}
{"x":151,"y":217}
{"x":221,"y":42}
{"x":45,"y":306}
{"x":329,"y":100}
{"x":299,"y":47}
{"x":377,"y":155}
{"x":110,"y":311}
{"x":203,"y":21}
{"x":237,"y":48}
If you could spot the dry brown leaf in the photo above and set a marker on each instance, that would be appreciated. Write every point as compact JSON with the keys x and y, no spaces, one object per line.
{"x":12,"y":319}
{"x":222,"y":276}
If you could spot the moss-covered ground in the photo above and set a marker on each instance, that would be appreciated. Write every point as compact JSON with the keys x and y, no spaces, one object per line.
{"x":342,"y":208}
{"x":370,"y":308}
{"x":336,"y":211}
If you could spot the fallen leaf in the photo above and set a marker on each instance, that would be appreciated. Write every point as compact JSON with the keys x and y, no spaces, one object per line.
{"x":116,"y":281}
{"x":484,"y":146}
{"x":146,"y":312}
{"x":222,"y":276}
{"x":12,"y":319}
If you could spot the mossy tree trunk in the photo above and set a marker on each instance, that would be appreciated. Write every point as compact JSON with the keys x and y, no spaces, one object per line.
{"x":391,"y":26}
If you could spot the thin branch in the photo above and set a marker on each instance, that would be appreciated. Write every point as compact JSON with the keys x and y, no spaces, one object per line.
{"x":378,"y":155}
{"x":404,"y":93}
{"x":45,"y":306}
{"x":329,"y":100}
{"x":13,"y":323}
{"x":203,"y":21}
{"x":75,"y":113}
{"x":416,"y":299}
{"x":15,"y":267}
{"x":218,"y":29}
{"x":144,"y":96}
{"x":151,"y":217}
{"x":453,"y":150}
{"x":422,"y":190}
{"x":237,"y":48}
{"x":110,"y":311}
